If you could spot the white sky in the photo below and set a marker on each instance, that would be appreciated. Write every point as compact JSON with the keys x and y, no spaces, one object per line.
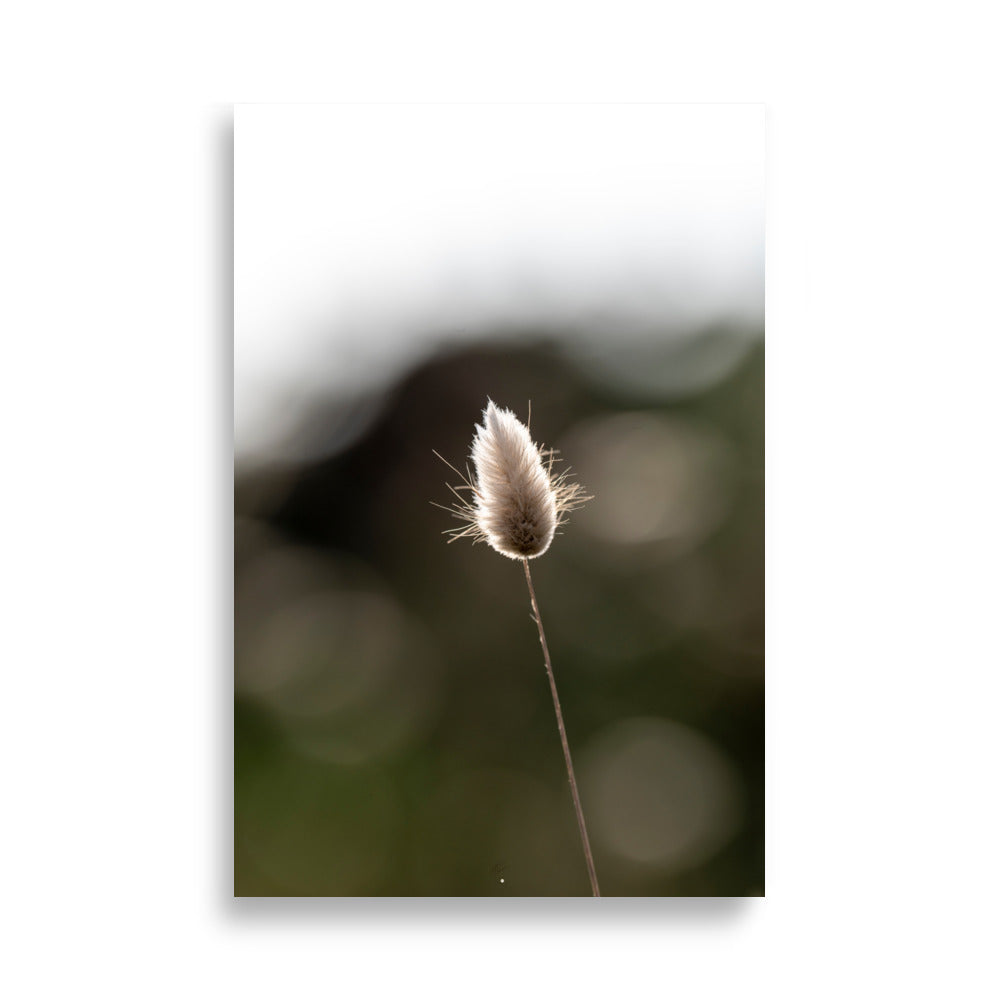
{"x":365,"y":232}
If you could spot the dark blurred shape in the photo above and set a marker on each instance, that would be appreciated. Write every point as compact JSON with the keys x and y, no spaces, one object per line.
{"x":394,"y":729}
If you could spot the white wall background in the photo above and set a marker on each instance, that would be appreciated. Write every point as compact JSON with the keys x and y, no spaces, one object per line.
{"x":882,"y":497}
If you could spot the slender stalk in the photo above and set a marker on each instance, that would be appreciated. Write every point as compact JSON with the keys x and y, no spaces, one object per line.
{"x":562,"y":736}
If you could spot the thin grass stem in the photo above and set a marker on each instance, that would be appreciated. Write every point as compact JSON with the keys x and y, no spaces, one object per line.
{"x":562,"y":735}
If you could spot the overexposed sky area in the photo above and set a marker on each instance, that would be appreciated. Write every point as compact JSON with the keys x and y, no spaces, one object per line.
{"x":367,"y":234}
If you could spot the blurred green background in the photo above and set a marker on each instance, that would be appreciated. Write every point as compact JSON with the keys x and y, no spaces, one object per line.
{"x":394,"y":731}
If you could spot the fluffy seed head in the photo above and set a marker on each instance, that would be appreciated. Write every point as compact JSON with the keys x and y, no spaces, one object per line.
{"x":517,"y":503}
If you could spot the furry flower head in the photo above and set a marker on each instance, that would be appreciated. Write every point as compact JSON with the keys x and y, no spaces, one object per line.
{"x":517,"y":502}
